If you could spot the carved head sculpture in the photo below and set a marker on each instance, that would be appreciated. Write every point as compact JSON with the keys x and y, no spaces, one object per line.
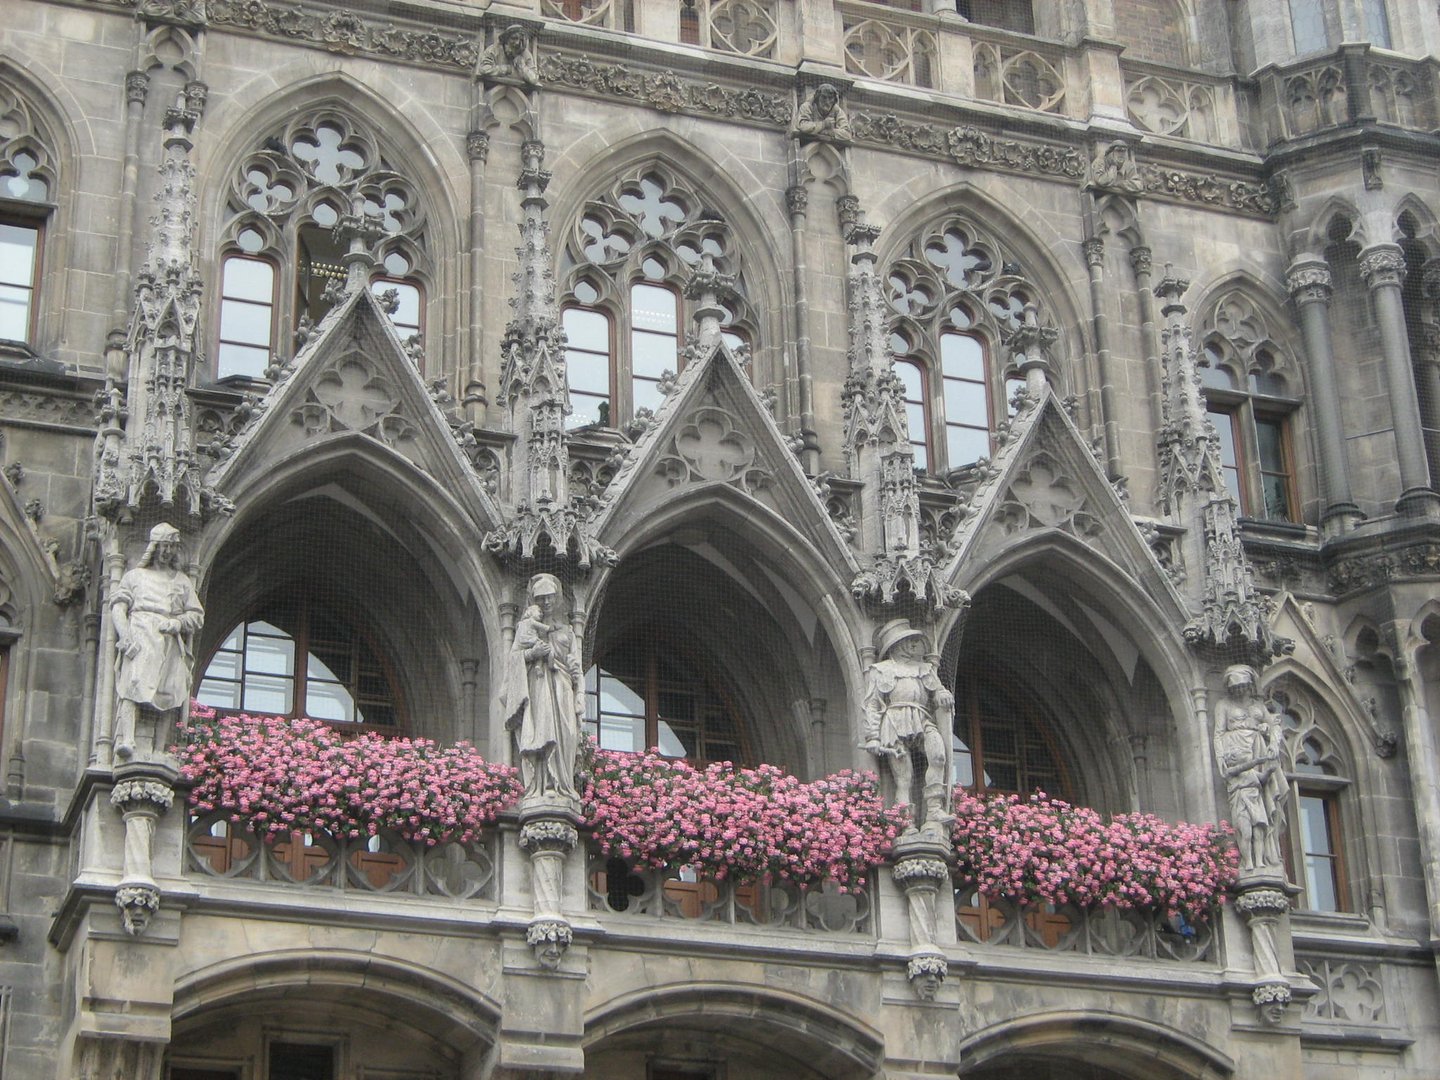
{"x":164,"y":542}
{"x":545,"y":591}
{"x":894,"y":634}
{"x":1240,"y":680}
{"x":826,"y":98}
{"x":513,"y":40}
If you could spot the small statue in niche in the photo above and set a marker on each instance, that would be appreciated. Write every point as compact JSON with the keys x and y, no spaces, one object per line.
{"x":1247,"y":748}
{"x":510,"y":57}
{"x":907,"y":708}
{"x":543,"y":693}
{"x":156,"y":615}
{"x":822,"y":116}
{"x":1114,"y":169}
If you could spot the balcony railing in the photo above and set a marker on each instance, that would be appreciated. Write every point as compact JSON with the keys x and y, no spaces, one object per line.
{"x":1351,"y":85}
{"x":1188,"y":106}
{"x":891,"y":46}
{"x":1026,"y":75}
{"x":677,"y":893}
{"x":216,"y":847}
{"x":1129,"y":935}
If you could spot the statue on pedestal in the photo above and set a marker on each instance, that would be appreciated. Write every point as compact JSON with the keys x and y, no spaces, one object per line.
{"x":907,"y":708}
{"x":1247,"y":750}
{"x":156,"y":615}
{"x":543,"y":693}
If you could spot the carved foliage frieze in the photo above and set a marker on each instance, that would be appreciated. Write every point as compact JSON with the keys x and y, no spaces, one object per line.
{"x":348,"y":32}
{"x":666,"y":91}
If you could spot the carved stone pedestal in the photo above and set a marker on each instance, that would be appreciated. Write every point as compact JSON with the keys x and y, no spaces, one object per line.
{"x":923,"y":875}
{"x":143,"y":792}
{"x":547,"y":836}
{"x":1263,"y":903}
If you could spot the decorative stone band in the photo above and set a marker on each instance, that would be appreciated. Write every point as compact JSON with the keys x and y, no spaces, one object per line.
{"x":548,"y":835}
{"x":1382,"y":266}
{"x":1309,"y":283}
{"x":138,"y":904}
{"x":1257,"y":902}
{"x":129,"y":794}
{"x":920,"y":871}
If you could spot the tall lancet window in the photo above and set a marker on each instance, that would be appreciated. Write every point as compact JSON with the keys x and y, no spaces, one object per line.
{"x":284,"y":242}
{"x":27,"y":191}
{"x":624,"y":265}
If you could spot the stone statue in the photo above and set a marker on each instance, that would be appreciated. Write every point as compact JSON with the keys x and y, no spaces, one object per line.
{"x":907,"y":709}
{"x":511,"y":58}
{"x":1247,"y":749}
{"x":543,"y":693}
{"x":823,"y":116}
{"x":1115,"y":170}
{"x":156,"y":615}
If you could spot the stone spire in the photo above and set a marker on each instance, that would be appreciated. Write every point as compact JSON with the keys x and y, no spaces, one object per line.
{"x":1233,"y":615}
{"x":877,"y":440}
{"x":536,"y":396}
{"x":153,"y":454}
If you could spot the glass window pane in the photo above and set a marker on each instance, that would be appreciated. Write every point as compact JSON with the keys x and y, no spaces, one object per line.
{"x":587,"y":330}
{"x":273,"y":656}
{"x":330,"y":666}
{"x":245,"y":323}
{"x":14,"y":313}
{"x":653,"y":354}
{"x":588,"y":409}
{"x":329,"y":701}
{"x":671,"y":743}
{"x":17,"y":254}
{"x":587,"y":373}
{"x":1314,"y":826}
{"x":1225,"y":427}
{"x":1277,"y":497}
{"x":1320,"y":891}
{"x":1307,"y":22}
{"x":622,"y":733}
{"x":616,"y":697}
{"x":646,"y":394}
{"x":408,"y":313}
{"x":652,"y":308}
{"x":224,"y":665}
{"x":249,"y":279}
{"x":962,"y":357}
{"x":1271,"y":437}
{"x":267,"y":693}
{"x":912,"y":380}
{"x":965,"y":445}
{"x":965,"y":404}
{"x":218,"y":695}
{"x":244,"y":360}
{"x":1377,"y":23}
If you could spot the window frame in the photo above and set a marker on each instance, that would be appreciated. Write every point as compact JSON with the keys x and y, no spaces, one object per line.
{"x":611,"y":361}
{"x":1027,"y":713}
{"x":32,"y":216}
{"x":933,"y":380}
{"x":1246,"y":407}
{"x":1328,"y":791}
{"x":360,"y":637}
{"x":275,"y":274}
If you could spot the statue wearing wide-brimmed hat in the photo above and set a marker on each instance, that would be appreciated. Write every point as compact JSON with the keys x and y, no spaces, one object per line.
{"x":908,"y":709}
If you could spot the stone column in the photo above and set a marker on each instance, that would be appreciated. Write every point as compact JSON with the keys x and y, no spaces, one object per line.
{"x":477,"y":150}
{"x":1383,"y":266}
{"x":923,"y":875}
{"x":548,"y":835}
{"x":1427,"y":364}
{"x":143,"y":792}
{"x":1308,"y":281}
{"x":1422,"y":750}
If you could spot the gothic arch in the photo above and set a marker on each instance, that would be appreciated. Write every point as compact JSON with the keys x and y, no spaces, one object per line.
{"x":1278,"y":325}
{"x":904,"y":219}
{"x":816,"y":1039}
{"x":1141,"y":665}
{"x":759,"y":226}
{"x":445,"y":1011}
{"x":1427,"y":226}
{"x":739,"y":548}
{"x":1135,"y":1049}
{"x":1317,"y":235}
{"x":430,"y":594}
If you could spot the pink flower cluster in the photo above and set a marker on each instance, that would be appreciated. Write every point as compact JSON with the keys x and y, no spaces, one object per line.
{"x":1044,"y":850}
{"x":746,"y":824}
{"x":280,"y":775}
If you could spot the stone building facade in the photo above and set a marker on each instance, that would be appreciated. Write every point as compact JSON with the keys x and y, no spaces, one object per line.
{"x":1097,"y":339}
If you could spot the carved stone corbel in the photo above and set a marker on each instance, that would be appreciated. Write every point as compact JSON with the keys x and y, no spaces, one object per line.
{"x":1263,"y":906}
{"x":547,"y":838}
{"x":142,"y":797}
{"x":922,"y":874}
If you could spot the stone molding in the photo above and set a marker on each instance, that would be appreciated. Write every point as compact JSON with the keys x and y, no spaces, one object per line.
{"x":1309,"y":282}
{"x":666,"y":91}
{"x":1382,"y":265}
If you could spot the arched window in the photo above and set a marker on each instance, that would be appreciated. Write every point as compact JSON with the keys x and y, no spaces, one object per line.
{"x":288,"y":197}
{"x":1250,"y":396}
{"x":1307,"y":26}
{"x":623,"y":309}
{"x":1315,"y":841}
{"x":1002,"y":740}
{"x":644,"y":694}
{"x":27,"y":184}
{"x":293,"y":657}
{"x":956,"y":296}
{"x":1152,"y":30}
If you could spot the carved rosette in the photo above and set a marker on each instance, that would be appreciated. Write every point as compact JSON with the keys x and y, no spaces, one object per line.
{"x":1382,"y":266}
{"x":1309,"y":283}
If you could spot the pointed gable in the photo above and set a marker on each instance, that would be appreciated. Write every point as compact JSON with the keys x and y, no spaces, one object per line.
{"x":1045,"y":479}
{"x":713,"y":429}
{"x":354,"y":377}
